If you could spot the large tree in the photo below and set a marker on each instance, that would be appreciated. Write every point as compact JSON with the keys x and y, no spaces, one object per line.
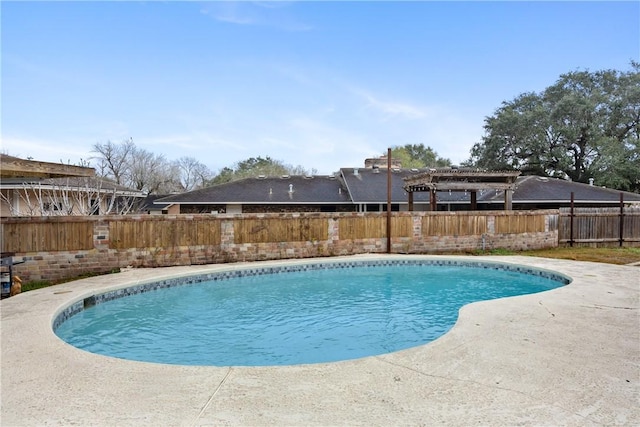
{"x":418,"y":156}
{"x":112,"y":160}
{"x":192,"y":173}
{"x":587,"y":125}
{"x":131,"y":166}
{"x":256,"y":166}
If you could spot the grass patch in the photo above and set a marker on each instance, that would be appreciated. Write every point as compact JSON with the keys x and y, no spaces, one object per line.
{"x":610,"y":255}
{"x":496,"y":251}
{"x":606,"y":255}
{"x":617,"y":255}
{"x":38,"y":284}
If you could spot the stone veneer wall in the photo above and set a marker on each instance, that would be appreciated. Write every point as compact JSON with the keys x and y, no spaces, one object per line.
{"x":104,"y":258}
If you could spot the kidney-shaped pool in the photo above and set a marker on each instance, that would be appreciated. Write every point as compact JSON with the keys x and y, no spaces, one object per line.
{"x":287,"y":315}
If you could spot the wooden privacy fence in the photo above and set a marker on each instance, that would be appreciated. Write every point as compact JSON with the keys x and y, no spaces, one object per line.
{"x":454,"y":225}
{"x":599,"y":226}
{"x":62,"y":247}
{"x":373,"y":227}
{"x":273,"y":230}
{"x":47,"y":236}
{"x":126,"y":234}
{"x":53,"y":234}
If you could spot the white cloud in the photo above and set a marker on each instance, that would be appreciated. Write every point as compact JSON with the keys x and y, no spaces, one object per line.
{"x":294,"y":74}
{"x":391,"y":109}
{"x":266,"y":14}
{"x":272,"y":4}
{"x":393,"y":122}
{"x":449,"y":133}
{"x":230,"y":12}
{"x":326,"y":147}
{"x":53,"y":151}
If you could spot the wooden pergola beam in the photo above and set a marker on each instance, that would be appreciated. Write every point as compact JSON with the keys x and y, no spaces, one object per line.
{"x":460,"y":186}
{"x":462,"y":180}
{"x":14,"y":167}
{"x":470,"y":175}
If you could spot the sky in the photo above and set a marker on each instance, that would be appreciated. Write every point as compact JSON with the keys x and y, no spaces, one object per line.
{"x":322,"y":85}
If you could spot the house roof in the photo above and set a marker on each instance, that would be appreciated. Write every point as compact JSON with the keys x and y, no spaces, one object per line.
{"x":268,"y":190}
{"x":149,"y":203}
{"x":14,"y":167}
{"x":73,"y":183}
{"x":369,"y":186}
{"x":534,"y":189}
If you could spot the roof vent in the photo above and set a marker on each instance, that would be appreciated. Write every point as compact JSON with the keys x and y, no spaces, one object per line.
{"x":290,"y":188}
{"x":285,"y":177}
{"x":262,"y":176}
{"x":376,"y":170}
{"x":355,"y":171}
{"x":591,"y":180}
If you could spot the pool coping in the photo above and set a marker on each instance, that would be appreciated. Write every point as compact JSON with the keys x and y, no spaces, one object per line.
{"x":566,"y":356}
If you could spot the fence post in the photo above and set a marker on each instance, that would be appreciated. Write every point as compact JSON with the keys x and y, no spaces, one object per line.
{"x":621,"y":219}
{"x":389,"y":200}
{"x":571,"y":221}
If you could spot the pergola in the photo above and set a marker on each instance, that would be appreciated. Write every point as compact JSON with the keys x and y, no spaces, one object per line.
{"x":14,"y":167}
{"x":471,"y":180}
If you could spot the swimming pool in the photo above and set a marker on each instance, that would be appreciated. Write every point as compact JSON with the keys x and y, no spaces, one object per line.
{"x":299,"y":314}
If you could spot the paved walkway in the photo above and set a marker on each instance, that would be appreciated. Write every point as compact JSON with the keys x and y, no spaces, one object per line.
{"x":570,"y":356}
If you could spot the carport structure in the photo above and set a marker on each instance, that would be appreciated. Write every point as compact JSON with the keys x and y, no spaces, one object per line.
{"x":471,"y":180}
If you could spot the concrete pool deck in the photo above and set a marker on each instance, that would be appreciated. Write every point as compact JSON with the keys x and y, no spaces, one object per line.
{"x":570,"y":356}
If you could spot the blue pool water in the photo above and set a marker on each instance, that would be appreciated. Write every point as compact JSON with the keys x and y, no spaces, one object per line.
{"x":293,"y":317}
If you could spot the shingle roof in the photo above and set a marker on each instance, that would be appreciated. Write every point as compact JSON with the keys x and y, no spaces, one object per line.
{"x":367,"y":185}
{"x":102,"y":184}
{"x":370,"y":186}
{"x":532,"y":189}
{"x":268,"y":190}
{"x":148,"y":204}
